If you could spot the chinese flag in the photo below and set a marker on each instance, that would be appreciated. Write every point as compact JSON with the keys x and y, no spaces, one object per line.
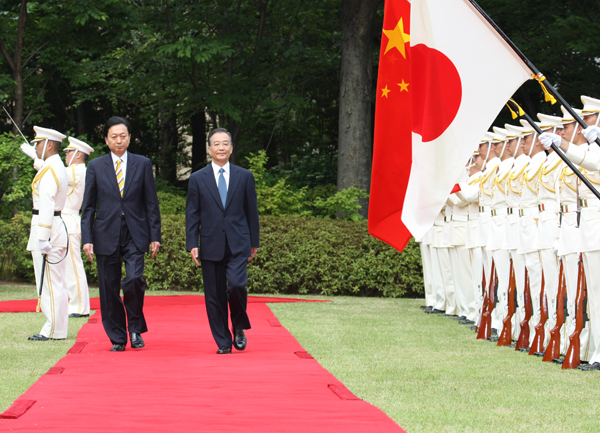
{"x":392,"y":152}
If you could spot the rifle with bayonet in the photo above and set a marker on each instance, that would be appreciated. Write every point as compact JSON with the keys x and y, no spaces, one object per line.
{"x":506,"y":334}
{"x":485,"y":324}
{"x":523,"y":341}
{"x":540,"y":329}
{"x":553,"y":348}
{"x":572,"y":358}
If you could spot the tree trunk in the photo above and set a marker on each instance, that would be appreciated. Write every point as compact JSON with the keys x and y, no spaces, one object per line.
{"x":198,"y":141}
{"x":80,"y":112}
{"x":355,"y":117}
{"x":168,"y":147}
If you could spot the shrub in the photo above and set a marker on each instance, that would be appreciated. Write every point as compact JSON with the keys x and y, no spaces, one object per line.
{"x":297,"y":255}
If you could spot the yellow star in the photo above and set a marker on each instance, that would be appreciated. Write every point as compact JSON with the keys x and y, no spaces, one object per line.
{"x":397,"y":38}
{"x":403,"y":86}
{"x":385,"y":92}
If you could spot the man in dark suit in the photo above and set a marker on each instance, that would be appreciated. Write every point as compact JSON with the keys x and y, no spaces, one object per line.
{"x":222,"y":209}
{"x":120,"y":219}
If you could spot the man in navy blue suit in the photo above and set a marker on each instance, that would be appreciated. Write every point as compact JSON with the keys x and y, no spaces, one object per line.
{"x":222,"y":211}
{"x":120,"y":219}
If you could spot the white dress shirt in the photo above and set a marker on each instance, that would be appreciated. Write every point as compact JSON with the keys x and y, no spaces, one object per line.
{"x":123,"y":163}
{"x":216,"y":169}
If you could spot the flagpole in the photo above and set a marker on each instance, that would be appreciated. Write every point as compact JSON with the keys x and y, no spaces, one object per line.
{"x":559,"y":152}
{"x":537,"y":74}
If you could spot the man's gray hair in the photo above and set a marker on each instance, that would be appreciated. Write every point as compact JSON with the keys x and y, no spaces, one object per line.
{"x":216,"y":130}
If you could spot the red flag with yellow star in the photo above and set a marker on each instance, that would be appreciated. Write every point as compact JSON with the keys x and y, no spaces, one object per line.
{"x":392,"y":152}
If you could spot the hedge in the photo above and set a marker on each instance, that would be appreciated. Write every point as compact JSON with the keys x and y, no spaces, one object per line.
{"x":297,"y":255}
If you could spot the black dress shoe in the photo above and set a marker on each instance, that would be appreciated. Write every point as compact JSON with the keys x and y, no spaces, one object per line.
{"x":435,"y":311}
{"x":239,"y":339}
{"x":223,"y":350}
{"x":76,"y":316}
{"x":558,"y":360}
{"x":494,"y":331}
{"x":459,"y":318}
{"x":473,"y":328}
{"x":493,"y":339}
{"x":512,"y":346}
{"x":117,"y":348}
{"x":525,"y":349}
{"x":539,"y":353}
{"x":38,"y":337}
{"x":589,"y":367}
{"x":466,"y":322}
{"x":447,"y":315}
{"x":136,"y":340}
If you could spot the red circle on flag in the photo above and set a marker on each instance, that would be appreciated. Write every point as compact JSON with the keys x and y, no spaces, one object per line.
{"x":436,"y":92}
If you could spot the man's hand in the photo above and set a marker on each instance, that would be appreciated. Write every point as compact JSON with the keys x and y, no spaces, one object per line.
{"x":155,"y":247}
{"x":88,"y":249}
{"x":591,"y":133}
{"x":28,"y":150}
{"x":252,"y":253}
{"x":548,"y":139}
{"x":45,"y":247}
{"x":194,"y":254}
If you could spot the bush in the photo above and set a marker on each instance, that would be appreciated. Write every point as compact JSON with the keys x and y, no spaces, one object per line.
{"x":298,"y":255}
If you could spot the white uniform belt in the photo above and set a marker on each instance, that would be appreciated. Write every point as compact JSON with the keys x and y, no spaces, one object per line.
{"x":473,"y":217}
{"x":533,"y":210}
{"x":592,"y":202}
{"x":501,"y":211}
{"x":566,"y":208}
{"x":484,"y":209}
{"x":463,"y":218}
{"x":547,"y":206}
{"x":70,"y":211}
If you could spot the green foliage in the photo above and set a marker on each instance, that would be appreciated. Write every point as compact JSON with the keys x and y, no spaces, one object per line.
{"x":17,"y":174}
{"x":345,"y":203}
{"x":15,"y":261}
{"x":297,"y":255}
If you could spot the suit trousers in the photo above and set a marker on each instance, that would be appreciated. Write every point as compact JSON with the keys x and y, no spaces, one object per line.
{"x":225,"y":285}
{"x":116,"y":319}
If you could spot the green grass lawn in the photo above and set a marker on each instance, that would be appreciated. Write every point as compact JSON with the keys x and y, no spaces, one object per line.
{"x":426,"y":372}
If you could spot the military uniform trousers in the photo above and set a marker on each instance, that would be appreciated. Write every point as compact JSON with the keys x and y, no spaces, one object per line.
{"x":426,"y":260}
{"x":463,"y":281}
{"x":55,"y":298}
{"x":76,"y":281}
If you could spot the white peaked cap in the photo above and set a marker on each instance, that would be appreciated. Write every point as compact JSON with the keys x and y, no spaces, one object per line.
{"x":47,"y":134}
{"x":79,"y":145}
{"x":567,"y":118}
{"x":547,"y":121}
{"x":513,"y":131}
{"x":487,"y":138}
{"x":500,"y":133}
{"x":527,"y":128}
{"x":590,"y":105}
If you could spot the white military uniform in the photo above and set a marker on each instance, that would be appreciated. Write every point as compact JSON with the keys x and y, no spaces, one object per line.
{"x":588,"y":158}
{"x":49,"y":195}
{"x":79,"y":297}
{"x":425,"y":246}
{"x":469,"y":192}
{"x":497,"y":238}
{"x":442,"y":266}
{"x":571,"y":240}
{"x":547,"y":226}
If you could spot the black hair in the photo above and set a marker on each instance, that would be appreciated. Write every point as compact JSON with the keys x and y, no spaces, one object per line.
{"x":85,"y":156}
{"x":216,"y":130}
{"x":115,"y":120}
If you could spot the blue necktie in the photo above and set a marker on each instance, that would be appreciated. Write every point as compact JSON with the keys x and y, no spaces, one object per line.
{"x":222,"y":187}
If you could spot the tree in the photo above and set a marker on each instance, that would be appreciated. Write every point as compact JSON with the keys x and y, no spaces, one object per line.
{"x":356,"y":81}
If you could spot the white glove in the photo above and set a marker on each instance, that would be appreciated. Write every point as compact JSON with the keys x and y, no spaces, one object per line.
{"x":45,"y":247}
{"x":591,"y":133}
{"x":28,"y":150}
{"x":555,"y":246}
{"x":548,"y":139}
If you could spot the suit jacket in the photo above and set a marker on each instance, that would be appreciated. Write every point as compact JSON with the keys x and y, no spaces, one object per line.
{"x":103,"y":205}
{"x":206,"y":216}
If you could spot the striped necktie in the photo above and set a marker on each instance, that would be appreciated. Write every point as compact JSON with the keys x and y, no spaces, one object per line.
{"x":120,"y":177}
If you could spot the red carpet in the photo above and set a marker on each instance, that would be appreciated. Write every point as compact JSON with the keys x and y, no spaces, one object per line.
{"x":178,"y":383}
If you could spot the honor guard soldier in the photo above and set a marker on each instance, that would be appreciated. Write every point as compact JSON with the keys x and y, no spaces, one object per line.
{"x":425,"y":245}
{"x":48,"y":236}
{"x":570,"y":242}
{"x":76,"y":155}
{"x":588,"y":158}
{"x":443,"y":281}
{"x":498,"y":225}
{"x":548,"y":221}
{"x":488,"y":152}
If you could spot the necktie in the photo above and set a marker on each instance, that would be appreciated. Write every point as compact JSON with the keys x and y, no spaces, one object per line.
{"x":222,"y":187}
{"x":120,"y":177}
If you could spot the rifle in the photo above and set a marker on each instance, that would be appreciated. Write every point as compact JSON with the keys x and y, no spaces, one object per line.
{"x":506,"y":335}
{"x":572,"y":358}
{"x":38,"y":308}
{"x":485,"y":324}
{"x":538,"y":342}
{"x":553,"y":349}
{"x":523,"y":341}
